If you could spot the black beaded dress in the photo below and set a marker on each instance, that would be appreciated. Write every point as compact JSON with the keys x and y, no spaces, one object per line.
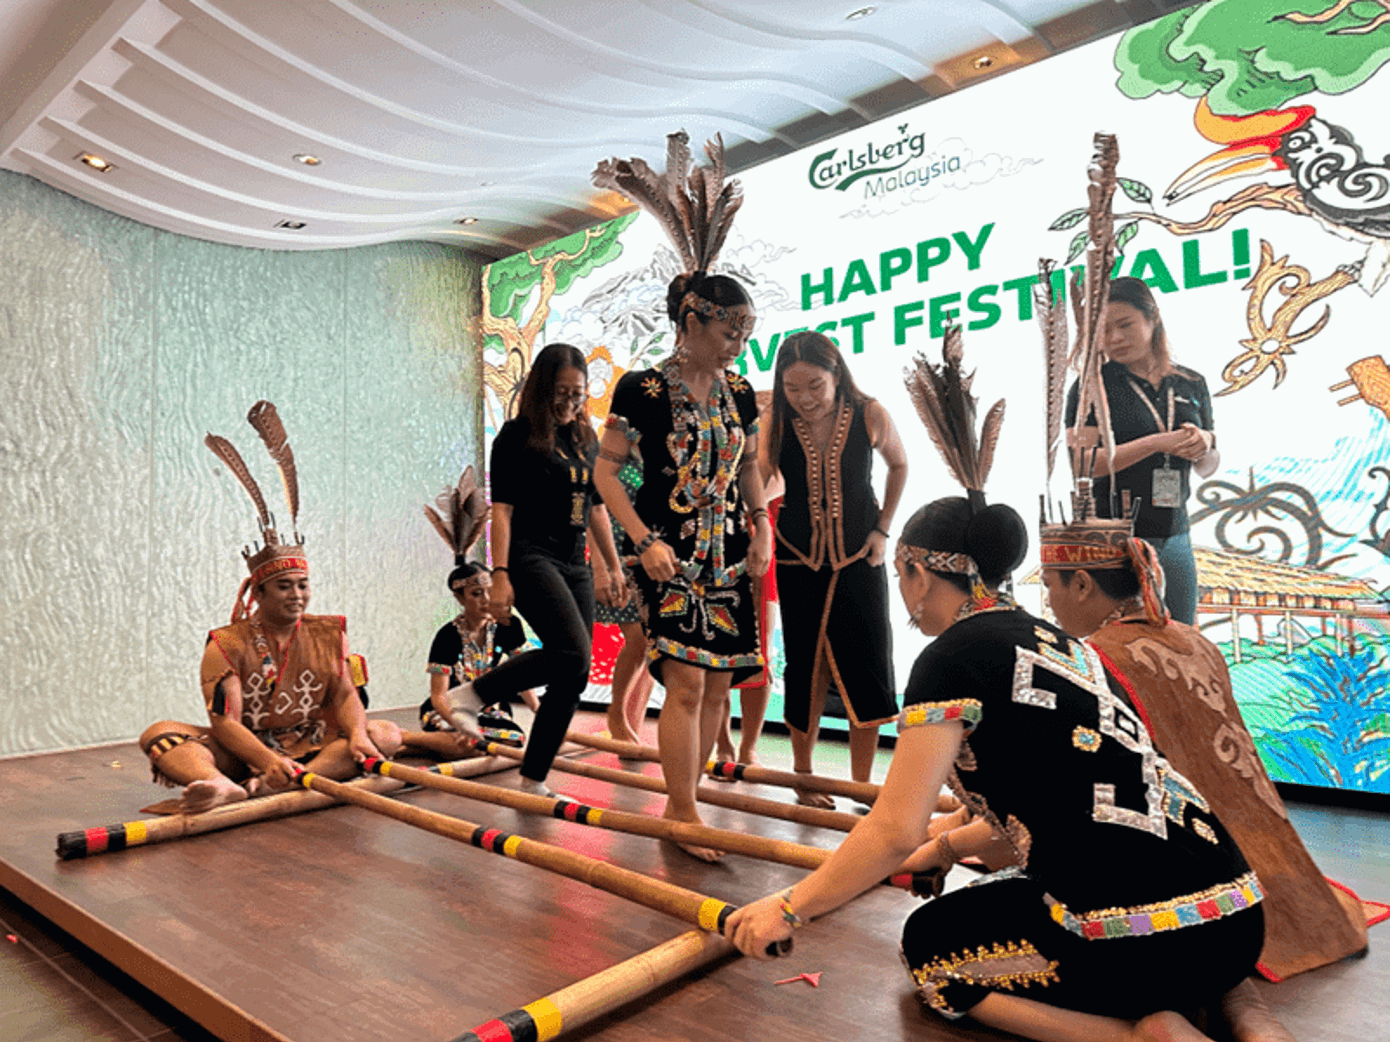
{"x":691,"y":453}
{"x":1130,"y":896}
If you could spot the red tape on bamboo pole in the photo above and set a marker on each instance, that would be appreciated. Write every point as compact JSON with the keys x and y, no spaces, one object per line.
{"x":147,"y":831}
{"x":826,"y":819}
{"x":708,"y":913}
{"x":782,"y":852}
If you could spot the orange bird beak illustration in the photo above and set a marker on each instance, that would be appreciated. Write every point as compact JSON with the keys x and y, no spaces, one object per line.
{"x":1250,"y":143}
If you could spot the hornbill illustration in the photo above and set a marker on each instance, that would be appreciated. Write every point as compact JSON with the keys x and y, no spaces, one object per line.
{"x":1340,"y":189}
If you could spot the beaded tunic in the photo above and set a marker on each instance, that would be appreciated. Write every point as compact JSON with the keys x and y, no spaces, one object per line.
{"x":285,"y":703}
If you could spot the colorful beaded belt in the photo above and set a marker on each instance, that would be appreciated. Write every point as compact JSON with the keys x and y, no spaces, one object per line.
{"x":1191,"y":910}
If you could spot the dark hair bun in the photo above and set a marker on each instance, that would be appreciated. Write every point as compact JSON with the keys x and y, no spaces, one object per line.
{"x":997,"y":539}
{"x":676,"y":291}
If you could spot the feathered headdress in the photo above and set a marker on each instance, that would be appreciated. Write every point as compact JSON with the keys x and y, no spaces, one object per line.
{"x":275,"y":556}
{"x":942,"y":396}
{"x":1088,"y":541}
{"x":695,"y":205}
{"x":458,"y":515}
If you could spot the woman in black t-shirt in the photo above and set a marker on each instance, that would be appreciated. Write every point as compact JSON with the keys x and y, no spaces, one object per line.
{"x":1160,"y":414}
{"x":543,"y":503}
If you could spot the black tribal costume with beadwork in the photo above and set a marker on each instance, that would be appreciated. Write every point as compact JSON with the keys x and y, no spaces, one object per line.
{"x":691,"y":454}
{"x":1130,"y":897}
{"x":831,"y":595}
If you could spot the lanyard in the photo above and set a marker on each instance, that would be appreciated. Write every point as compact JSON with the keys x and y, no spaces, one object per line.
{"x":1158,"y":420}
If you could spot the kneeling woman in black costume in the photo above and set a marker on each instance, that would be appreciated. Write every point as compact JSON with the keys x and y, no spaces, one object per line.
{"x":1128,"y":900}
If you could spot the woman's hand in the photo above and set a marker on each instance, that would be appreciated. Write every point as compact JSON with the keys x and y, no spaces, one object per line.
{"x":618,"y":594}
{"x":1192,"y":442}
{"x":659,"y":561}
{"x":760,"y":548}
{"x":756,"y":926}
{"x":878,"y":548}
{"x":501,"y":599}
{"x":362,"y":747}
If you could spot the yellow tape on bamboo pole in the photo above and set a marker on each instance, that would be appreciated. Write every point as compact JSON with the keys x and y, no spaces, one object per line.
{"x":826,"y":819}
{"x":782,"y":852}
{"x":143,"y":832}
{"x":686,"y":905}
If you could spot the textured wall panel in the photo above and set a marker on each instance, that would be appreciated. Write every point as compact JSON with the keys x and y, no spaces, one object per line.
{"x":120,"y":541}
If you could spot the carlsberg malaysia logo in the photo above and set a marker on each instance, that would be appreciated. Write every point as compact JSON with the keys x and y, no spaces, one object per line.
{"x":903,"y":163}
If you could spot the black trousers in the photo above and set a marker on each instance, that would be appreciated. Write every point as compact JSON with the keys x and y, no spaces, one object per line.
{"x":556,"y":598}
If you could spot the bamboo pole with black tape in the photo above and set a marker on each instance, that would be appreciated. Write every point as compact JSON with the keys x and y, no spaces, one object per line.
{"x":147,"y":831}
{"x":827,"y":819}
{"x":782,"y":852}
{"x":708,"y":913}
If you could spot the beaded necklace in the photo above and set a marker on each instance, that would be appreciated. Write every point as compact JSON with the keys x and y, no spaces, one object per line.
{"x":705,"y":445}
{"x":474,"y":659}
{"x":269,"y":670}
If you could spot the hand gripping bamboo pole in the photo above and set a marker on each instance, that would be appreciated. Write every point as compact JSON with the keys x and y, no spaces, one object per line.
{"x":584,"y":1001}
{"x":145,"y":831}
{"x":708,"y":913}
{"x":827,"y":819}
{"x":782,"y":852}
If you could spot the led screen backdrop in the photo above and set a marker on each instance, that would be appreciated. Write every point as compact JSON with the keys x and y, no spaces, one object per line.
{"x":1254,"y":203}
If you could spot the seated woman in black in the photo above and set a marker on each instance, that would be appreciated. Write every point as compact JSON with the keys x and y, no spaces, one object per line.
{"x":465,"y":648}
{"x":1128,"y":898}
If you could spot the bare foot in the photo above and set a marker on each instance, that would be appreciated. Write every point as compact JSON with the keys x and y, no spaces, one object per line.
{"x":206,"y":793}
{"x":808,"y":798}
{"x":623,"y":734}
{"x":1167,"y":1026}
{"x":1249,"y":1018}
{"x":749,"y":758}
{"x":707,"y":854}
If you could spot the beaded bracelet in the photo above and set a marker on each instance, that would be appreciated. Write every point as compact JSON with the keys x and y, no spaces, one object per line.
{"x":947,"y":851}
{"x":647,"y":541}
{"x":784,"y":902}
{"x":757,"y":513}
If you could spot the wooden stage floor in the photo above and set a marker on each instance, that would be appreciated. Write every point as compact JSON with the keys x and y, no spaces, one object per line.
{"x":341,"y":924}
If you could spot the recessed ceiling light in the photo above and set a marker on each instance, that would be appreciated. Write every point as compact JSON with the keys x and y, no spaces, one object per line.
{"x":292,"y":225}
{"x":862,"y":12}
{"x":486,"y":184}
{"x":467,"y":220}
{"x":98,"y":164}
{"x":984,"y":61}
{"x":306,"y":159}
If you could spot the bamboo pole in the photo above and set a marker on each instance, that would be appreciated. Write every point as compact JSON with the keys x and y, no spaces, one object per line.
{"x":708,"y":913}
{"x":828,"y":819}
{"x":864,"y":792}
{"x":145,"y":831}
{"x":585,"y":1001}
{"x":782,"y":852}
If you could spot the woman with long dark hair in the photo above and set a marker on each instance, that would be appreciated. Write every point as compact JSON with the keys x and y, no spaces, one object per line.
{"x":831,"y":540}
{"x":543,"y":504}
{"x":689,"y":527}
{"x":1121,"y":870}
{"x":1160,"y":414}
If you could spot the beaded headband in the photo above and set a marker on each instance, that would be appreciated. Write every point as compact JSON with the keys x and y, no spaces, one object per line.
{"x":1100,"y":543}
{"x":941,"y":561}
{"x":718,"y":312}
{"x":468,"y":582}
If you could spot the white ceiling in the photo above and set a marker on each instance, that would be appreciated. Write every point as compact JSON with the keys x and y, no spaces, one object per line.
{"x":426,"y":112}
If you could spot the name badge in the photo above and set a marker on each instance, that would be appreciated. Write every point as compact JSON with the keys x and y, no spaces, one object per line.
{"x":1167,"y":490}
